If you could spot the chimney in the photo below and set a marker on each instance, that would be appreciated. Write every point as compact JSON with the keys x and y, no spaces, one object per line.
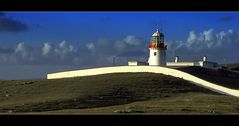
{"x":176,"y":59}
{"x":204,"y":58}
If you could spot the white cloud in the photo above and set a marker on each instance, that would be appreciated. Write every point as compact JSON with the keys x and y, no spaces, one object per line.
{"x":230,"y":31}
{"x":207,"y":42}
{"x":64,"y":49}
{"x":120,"y":46}
{"x":46,"y":49}
{"x":132,"y":40}
{"x":21,"y":49}
{"x":192,"y":37}
{"x":209,"y":37}
{"x":90,"y":46}
{"x":62,"y":44}
{"x":71,"y":48}
{"x":217,"y":44}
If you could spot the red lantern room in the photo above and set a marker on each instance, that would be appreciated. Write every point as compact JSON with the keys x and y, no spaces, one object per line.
{"x":157,"y":41}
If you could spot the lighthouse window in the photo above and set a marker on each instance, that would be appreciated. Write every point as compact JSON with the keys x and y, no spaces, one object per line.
{"x":155,"y":53}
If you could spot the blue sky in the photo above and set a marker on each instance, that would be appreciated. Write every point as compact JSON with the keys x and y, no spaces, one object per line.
{"x":89,"y":26}
{"x":69,"y":40}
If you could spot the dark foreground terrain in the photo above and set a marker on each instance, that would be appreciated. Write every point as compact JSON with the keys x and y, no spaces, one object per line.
{"x":224,"y":77}
{"x":232,"y":66}
{"x":114,"y":94}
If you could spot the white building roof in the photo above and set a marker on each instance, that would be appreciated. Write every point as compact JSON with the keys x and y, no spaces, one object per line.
{"x":157,"y":33}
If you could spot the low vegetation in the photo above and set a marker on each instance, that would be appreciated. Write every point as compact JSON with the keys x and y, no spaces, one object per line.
{"x":112,"y":93}
{"x":222,"y":77}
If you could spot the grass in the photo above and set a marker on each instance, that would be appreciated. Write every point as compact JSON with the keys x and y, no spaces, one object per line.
{"x":222,"y":77}
{"x":112,"y":93}
{"x":232,"y":66}
{"x":188,"y":103}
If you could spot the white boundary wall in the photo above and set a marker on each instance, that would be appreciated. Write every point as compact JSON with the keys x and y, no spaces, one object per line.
{"x":180,"y":64}
{"x":150,"y":69}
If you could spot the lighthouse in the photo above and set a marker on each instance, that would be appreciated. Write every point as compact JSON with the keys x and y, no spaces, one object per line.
{"x":157,"y":50}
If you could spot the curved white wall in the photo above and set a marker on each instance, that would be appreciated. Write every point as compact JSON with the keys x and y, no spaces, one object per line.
{"x":151,"y":69}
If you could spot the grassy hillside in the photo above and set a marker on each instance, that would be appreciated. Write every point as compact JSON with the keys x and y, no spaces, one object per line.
{"x":112,"y":93}
{"x":232,"y":66}
{"x":222,"y":77}
{"x":184,"y":103}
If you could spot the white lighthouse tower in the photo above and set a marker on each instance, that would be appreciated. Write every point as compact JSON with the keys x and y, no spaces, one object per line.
{"x":157,"y":50}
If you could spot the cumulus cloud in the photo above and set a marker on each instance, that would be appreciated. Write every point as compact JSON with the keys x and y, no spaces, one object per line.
{"x":215,"y":44}
{"x":95,"y":53}
{"x":191,"y":38}
{"x":46,"y":49}
{"x":207,"y":39}
{"x":90,"y":46}
{"x":64,"y":48}
{"x":120,"y":46}
{"x":21,"y":49}
{"x":132,"y":40}
{"x":220,"y":46}
{"x":8,"y":24}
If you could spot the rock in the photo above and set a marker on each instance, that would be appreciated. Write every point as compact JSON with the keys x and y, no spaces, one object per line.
{"x":117,"y":111}
{"x":128,"y":111}
{"x":10,"y":111}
